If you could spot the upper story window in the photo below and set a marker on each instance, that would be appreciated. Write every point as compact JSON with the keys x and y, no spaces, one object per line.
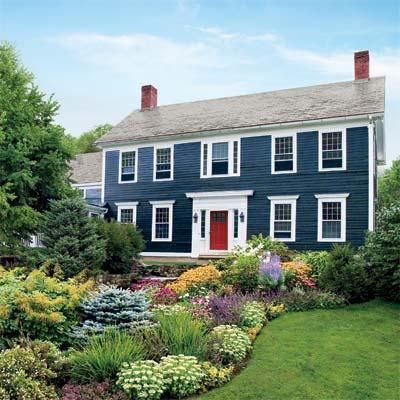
{"x":284,"y":153}
{"x":283,"y":218}
{"x":332,"y":150}
{"x":163,"y":163}
{"x":162,"y":220}
{"x":220,"y":158}
{"x":332,"y":217}
{"x":128,"y":166}
{"x":127,"y":212}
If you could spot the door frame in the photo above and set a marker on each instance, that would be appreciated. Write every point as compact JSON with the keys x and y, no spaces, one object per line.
{"x":214,"y":201}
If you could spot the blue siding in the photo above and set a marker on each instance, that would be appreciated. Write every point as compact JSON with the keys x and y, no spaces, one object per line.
{"x":256,"y":175}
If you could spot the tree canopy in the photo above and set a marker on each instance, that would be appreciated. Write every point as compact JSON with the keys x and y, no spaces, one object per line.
{"x":85,"y":142}
{"x":389,"y":185}
{"x":34,"y":151}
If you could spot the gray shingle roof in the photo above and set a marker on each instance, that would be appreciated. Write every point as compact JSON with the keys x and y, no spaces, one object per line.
{"x":86,"y":168}
{"x":282,"y":106}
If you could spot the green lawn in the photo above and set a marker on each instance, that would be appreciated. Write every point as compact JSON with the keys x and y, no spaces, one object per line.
{"x":346,"y":354}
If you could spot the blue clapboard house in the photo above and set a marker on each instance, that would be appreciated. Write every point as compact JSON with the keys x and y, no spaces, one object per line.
{"x":199,"y":178}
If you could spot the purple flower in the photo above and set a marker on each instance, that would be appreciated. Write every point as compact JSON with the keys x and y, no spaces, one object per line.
{"x":270,"y":268}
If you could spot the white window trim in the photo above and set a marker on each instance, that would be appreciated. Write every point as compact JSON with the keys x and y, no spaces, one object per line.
{"x":279,"y":135}
{"x":127,"y":206}
{"x":291,"y":199}
{"x":344,"y":149}
{"x":209,"y":144}
{"x":339,"y":198}
{"x":127,"y":150}
{"x":155,"y":163}
{"x":162,"y":204}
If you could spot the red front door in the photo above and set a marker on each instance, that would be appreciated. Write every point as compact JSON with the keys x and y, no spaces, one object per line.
{"x":219,"y":230}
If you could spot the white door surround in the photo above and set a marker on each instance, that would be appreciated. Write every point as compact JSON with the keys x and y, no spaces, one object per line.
{"x":218,"y":201}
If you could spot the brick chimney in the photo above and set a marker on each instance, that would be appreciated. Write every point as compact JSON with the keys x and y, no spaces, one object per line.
{"x":361,"y":65}
{"x":149,"y":97}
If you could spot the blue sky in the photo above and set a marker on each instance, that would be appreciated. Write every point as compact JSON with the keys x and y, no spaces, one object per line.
{"x":95,"y":55}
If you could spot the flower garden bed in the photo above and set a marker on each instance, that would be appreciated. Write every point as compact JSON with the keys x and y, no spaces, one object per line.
{"x":157,"y":339}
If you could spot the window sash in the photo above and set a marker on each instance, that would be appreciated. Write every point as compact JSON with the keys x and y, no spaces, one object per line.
{"x":203,"y":224}
{"x":332,"y":148}
{"x":331,"y":219}
{"x":163,"y":163}
{"x":220,"y":159}
{"x":283,"y":217}
{"x":284,"y":157}
{"x":128,"y":166}
{"x":162,"y":220}
{"x":235,"y":223}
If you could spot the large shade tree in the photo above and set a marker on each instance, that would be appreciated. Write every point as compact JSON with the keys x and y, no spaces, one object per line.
{"x":34,"y":151}
{"x":389,"y":185}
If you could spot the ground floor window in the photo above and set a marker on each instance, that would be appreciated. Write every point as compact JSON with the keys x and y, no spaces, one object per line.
{"x":332,"y":217}
{"x":127,"y":212}
{"x":162,"y":221}
{"x":283,"y":217}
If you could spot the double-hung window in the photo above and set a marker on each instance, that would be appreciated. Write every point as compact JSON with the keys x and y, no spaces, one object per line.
{"x":163,"y":163}
{"x":332,"y":150}
{"x":284,"y":153}
{"x":128,"y":166}
{"x":283,"y":218}
{"x":220,"y":158}
{"x":162,"y":220}
{"x":127,"y":212}
{"x":332,"y":217}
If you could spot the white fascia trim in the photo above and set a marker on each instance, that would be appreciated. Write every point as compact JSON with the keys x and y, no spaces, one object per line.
{"x":343,"y":130}
{"x":293,"y":134}
{"x":162,"y":204}
{"x":164,"y":254}
{"x":127,"y":150}
{"x":371,"y":177}
{"x":289,"y":197}
{"x":209,"y":142}
{"x":230,"y":193}
{"x":103,"y":174}
{"x":259,"y":130}
{"x":155,"y":148}
{"x":283,"y":200}
{"x":334,"y":198}
{"x":132,"y":205}
{"x":92,"y":185}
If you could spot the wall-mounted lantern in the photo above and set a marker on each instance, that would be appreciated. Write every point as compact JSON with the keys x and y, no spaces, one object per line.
{"x":241,"y":217}
{"x":195,"y":217}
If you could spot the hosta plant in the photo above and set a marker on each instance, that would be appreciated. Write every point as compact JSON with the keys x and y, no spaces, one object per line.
{"x":142,"y":380}
{"x":183,"y":375}
{"x":229,"y":344}
{"x":253,"y":315}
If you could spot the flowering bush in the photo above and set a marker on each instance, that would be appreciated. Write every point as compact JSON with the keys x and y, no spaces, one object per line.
{"x":38,"y":306}
{"x":252,"y":315}
{"x":142,"y":380}
{"x":317,"y":260}
{"x":164,"y":295}
{"x":182,"y":375}
{"x":215,"y":375}
{"x":146,"y":283}
{"x":229,"y":343}
{"x":92,"y":391}
{"x":274,"y":310}
{"x":270,"y":272}
{"x":242,"y":274}
{"x":253,"y":332}
{"x":25,"y":376}
{"x":297,"y":273}
{"x":226,"y":310}
{"x":207,"y":276}
{"x":169,"y":309}
{"x":200,"y":309}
